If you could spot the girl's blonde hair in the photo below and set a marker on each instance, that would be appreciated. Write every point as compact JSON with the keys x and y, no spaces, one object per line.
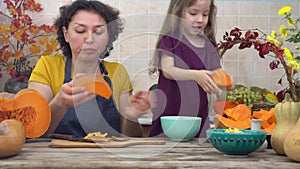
{"x":177,"y":9}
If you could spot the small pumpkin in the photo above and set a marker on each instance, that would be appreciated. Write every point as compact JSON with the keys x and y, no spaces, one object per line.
{"x":95,"y":85}
{"x":287,"y":114}
{"x":291,"y":143}
{"x":222,"y":79}
{"x":12,"y":137}
{"x":30,"y":108}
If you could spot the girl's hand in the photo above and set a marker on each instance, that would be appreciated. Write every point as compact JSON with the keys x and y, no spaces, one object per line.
{"x":141,"y":100}
{"x":202,"y":77}
{"x":72,"y":96}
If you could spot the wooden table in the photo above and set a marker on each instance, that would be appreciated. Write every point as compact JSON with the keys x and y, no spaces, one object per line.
{"x":171,"y":155}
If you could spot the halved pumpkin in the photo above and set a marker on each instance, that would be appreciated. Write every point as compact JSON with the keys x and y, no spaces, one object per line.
{"x":94,"y":85}
{"x":30,"y":108}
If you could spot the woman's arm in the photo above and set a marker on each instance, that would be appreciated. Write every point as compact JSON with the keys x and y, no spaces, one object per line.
{"x":67,"y":97}
{"x":131,"y":108}
{"x":202,"y":77}
{"x":57,"y":110}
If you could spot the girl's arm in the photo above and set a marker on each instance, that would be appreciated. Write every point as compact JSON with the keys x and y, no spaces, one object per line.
{"x":202,"y":77}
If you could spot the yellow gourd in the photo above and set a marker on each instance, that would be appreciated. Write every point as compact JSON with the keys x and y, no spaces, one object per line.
{"x":287,"y":114}
{"x":291,"y":144}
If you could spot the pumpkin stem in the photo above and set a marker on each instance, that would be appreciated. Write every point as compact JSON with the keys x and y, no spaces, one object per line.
{"x":287,"y":98}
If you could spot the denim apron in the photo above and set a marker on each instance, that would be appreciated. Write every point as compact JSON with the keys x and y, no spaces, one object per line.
{"x":99,"y":114}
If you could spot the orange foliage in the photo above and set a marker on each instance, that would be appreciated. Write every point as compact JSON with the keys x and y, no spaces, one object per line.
{"x":18,"y":35}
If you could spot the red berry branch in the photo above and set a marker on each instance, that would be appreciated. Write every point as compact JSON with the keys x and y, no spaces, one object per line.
{"x":257,"y":39}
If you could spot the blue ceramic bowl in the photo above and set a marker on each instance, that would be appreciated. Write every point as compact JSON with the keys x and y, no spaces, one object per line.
{"x":180,"y":128}
{"x":236,"y":144}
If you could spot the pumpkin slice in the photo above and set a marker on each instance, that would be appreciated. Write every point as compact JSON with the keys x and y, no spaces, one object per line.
{"x":94,"y":85}
{"x":240,"y":112}
{"x":267,"y":117}
{"x":30,"y":108}
{"x":270,"y":128}
{"x":222,"y":79}
{"x":257,"y":114}
{"x":220,"y":106}
{"x":223,"y":122}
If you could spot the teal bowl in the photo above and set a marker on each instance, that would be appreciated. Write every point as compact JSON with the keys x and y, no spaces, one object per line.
{"x":180,"y":128}
{"x":236,"y":144}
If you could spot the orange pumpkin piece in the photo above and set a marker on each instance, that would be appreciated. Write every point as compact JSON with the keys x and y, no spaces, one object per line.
{"x":220,"y":106}
{"x":222,"y":79}
{"x":30,"y":108}
{"x":269,"y":129}
{"x":241,"y":112}
{"x":257,"y":114}
{"x":223,"y":122}
{"x":267,"y":117}
{"x":272,"y":119}
{"x":94,"y":85}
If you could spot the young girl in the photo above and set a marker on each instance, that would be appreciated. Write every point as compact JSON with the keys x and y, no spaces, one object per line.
{"x":186,"y":56}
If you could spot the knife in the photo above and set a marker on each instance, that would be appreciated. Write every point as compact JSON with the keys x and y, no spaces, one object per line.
{"x":68,"y":137}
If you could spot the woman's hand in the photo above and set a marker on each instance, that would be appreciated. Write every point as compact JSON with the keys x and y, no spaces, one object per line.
{"x":202,"y":77}
{"x":71,"y":95}
{"x":136,"y":105}
{"x":141,"y":100}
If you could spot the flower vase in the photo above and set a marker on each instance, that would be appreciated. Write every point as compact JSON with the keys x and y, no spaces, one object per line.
{"x":13,"y":85}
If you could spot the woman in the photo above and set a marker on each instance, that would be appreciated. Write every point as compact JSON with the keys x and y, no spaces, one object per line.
{"x":86,"y":31}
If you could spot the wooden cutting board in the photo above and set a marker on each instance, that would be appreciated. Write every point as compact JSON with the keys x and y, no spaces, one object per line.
{"x":56,"y":143}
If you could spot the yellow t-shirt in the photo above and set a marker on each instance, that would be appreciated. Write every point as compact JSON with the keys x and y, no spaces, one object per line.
{"x":50,"y":70}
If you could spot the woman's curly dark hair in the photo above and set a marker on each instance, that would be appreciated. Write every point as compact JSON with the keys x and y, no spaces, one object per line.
{"x":108,"y":13}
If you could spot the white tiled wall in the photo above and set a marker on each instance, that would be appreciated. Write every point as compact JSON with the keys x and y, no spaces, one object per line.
{"x":143,"y":19}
